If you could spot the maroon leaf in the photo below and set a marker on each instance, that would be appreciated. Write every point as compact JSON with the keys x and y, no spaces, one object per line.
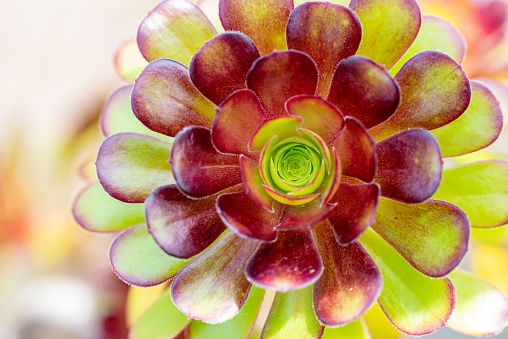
{"x":318,"y":115}
{"x":263,"y":21}
{"x":357,"y":209}
{"x":410,"y":166}
{"x":199,"y":170}
{"x":327,"y":32}
{"x":237,"y":118}
{"x":281,"y":75}
{"x":350,"y":283}
{"x":434,"y":91}
{"x":356,"y":151}
{"x":165,"y":100}
{"x":364,"y":90}
{"x":181,"y":226}
{"x":245,"y":218}
{"x":220,"y":67}
{"x":292,"y":262}
{"x":213,"y":287}
{"x":303,"y":217}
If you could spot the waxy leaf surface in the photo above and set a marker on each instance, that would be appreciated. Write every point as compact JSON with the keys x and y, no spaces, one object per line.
{"x":357,"y":206}
{"x":437,"y":35}
{"x":175,"y":29}
{"x":138,"y":260}
{"x":328,"y":33}
{"x":181,"y":226}
{"x":213,"y":288}
{"x":356,"y":151}
{"x":117,"y":116}
{"x":166,"y":101}
{"x":478,"y":127}
{"x":246,"y":218}
{"x":130,"y":166}
{"x":289,"y":200}
{"x":95,"y":210}
{"x":239,"y":327}
{"x":362,"y":89}
{"x":220,"y":67}
{"x":281,"y":75}
{"x":480,"y":190}
{"x":161,"y":321}
{"x":434,"y":91}
{"x":410,"y":166}
{"x":292,"y":313}
{"x":290,"y":263}
{"x":500,"y":91}
{"x":235,"y":122}
{"x":481,"y":309}
{"x":432,"y":236}
{"x":414,"y":303}
{"x":253,"y":183}
{"x":303,"y":217}
{"x":198,"y":168}
{"x":318,"y":115}
{"x":283,"y":127}
{"x":354,"y":330}
{"x":350,"y":283}
{"x":263,"y":21}
{"x":389,"y":27}
{"x":331,"y":182}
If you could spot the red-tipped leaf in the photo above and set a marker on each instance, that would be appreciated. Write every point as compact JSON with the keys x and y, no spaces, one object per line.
{"x":198,"y":168}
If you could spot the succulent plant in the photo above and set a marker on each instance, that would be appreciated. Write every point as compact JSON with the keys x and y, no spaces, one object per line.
{"x":304,"y":159}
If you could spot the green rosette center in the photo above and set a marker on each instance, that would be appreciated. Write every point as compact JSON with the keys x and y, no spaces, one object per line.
{"x":294,"y":168}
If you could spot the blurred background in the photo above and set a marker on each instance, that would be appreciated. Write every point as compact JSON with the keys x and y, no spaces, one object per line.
{"x":56,"y":67}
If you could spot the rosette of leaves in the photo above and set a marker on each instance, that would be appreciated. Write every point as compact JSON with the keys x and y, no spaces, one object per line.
{"x":297,"y":153}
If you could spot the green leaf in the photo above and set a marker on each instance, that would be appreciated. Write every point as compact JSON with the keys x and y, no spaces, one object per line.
{"x":354,"y":330}
{"x":97,"y":211}
{"x":291,"y":314}
{"x":481,"y":309}
{"x":434,"y":91}
{"x":431,"y":236}
{"x":438,"y":35}
{"x":175,"y":29}
{"x":138,"y":260}
{"x":283,"y":127}
{"x":161,"y":321}
{"x":415,"y":303}
{"x":478,"y":127}
{"x":388,"y":28}
{"x":498,"y":235}
{"x":117,"y":116}
{"x":480,"y":190}
{"x":238,"y":327}
{"x":213,"y":288}
{"x":263,"y":21}
{"x":139,"y":299}
{"x":130,"y":166}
